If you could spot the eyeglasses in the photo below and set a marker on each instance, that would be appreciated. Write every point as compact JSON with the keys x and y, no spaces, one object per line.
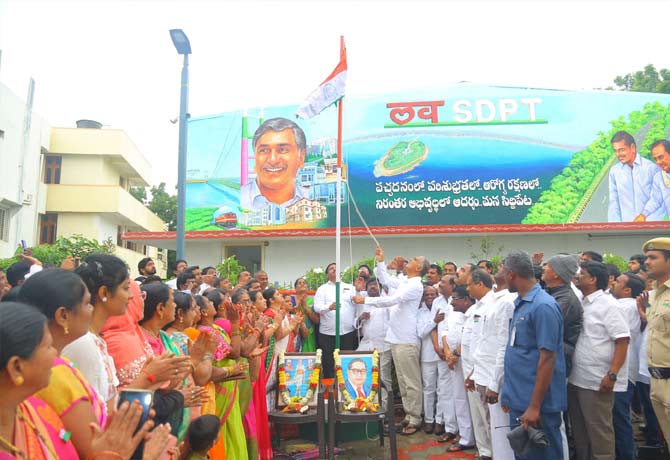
{"x":358,"y":371}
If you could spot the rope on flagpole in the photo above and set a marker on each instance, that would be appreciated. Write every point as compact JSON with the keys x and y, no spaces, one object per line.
{"x":360,"y":216}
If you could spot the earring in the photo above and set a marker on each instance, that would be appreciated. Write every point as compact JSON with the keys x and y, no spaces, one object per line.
{"x":66,"y":329}
{"x":181,"y":320}
{"x":18,"y":381}
{"x":104,"y":299}
{"x":160,"y":315}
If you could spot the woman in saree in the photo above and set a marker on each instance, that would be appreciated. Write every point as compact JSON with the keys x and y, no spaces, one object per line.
{"x":251,"y":350}
{"x":64,"y":300}
{"x":134,"y":359}
{"x":305,"y":303}
{"x":29,"y":428}
{"x":160,"y":312}
{"x":277,"y":334}
{"x":232,"y":443}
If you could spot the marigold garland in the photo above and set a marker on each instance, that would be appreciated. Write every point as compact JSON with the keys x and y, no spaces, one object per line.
{"x":297,"y":403}
{"x":358,"y":404}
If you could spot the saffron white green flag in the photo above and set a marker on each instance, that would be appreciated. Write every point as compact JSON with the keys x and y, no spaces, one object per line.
{"x":328,"y":92}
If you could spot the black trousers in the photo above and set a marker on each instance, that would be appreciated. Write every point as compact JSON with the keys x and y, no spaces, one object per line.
{"x":327,"y":344}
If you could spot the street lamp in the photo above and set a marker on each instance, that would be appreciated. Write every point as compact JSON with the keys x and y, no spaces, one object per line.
{"x":183,"y":46}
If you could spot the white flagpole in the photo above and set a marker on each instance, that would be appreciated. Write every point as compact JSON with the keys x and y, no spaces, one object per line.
{"x":338,"y":211}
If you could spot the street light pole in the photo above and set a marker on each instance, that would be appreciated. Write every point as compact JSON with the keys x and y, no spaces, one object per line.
{"x":183,"y":47}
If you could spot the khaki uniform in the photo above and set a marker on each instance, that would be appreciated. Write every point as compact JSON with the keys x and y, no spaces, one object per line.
{"x":658,"y":352}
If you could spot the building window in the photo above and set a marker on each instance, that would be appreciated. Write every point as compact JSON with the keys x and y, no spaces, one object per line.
{"x":48,"y":227}
{"x":4,"y":224}
{"x":52,"y":165}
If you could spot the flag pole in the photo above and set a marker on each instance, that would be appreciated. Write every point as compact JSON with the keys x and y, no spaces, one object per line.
{"x":338,"y":210}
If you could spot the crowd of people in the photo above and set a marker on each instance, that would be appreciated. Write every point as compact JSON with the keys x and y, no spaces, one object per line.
{"x":567,"y":346}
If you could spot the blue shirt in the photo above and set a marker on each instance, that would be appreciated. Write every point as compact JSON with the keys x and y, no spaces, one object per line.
{"x":537,"y":324}
{"x":658,"y":205}
{"x":629,"y":189}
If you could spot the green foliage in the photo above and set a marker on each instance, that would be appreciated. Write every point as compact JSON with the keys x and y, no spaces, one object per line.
{"x":350,"y":274}
{"x":164,"y":205}
{"x":139,"y":193}
{"x":488,"y":249}
{"x":569,"y":191}
{"x":620,"y":262}
{"x":161,"y":203}
{"x":648,"y":80}
{"x":230,"y":268}
{"x":315,"y":277}
{"x":199,"y":219}
{"x":54,"y":254}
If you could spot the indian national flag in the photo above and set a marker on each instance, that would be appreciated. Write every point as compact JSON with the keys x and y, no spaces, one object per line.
{"x":328,"y":92}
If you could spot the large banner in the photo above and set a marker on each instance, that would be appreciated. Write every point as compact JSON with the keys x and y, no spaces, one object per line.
{"x":456,"y":156}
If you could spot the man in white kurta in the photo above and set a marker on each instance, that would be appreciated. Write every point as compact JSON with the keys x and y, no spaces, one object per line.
{"x":451,"y":332}
{"x":401,"y":335}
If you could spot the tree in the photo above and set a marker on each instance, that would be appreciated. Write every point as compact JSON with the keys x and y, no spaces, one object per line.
{"x":648,"y":80}
{"x":164,"y":205}
{"x":161,"y":203}
{"x":139,"y":193}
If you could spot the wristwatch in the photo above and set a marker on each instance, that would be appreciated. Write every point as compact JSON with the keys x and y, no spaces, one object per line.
{"x":612,"y":376}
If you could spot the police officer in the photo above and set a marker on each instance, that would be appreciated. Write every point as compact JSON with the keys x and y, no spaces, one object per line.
{"x":657,"y":253}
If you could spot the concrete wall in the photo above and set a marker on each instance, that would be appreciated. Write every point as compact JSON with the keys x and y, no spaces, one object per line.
{"x":23,"y":206}
{"x":87,"y":169}
{"x":285,"y":260}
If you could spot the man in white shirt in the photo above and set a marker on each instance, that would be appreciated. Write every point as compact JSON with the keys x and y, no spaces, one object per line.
{"x":489,"y":359}
{"x":445,"y":420}
{"x":599,"y":366}
{"x":405,"y":344}
{"x":324,"y":306}
{"x":208,"y":277}
{"x":373,"y":324}
{"x":431,"y":354}
{"x":479,"y":287}
{"x":630,"y":180}
{"x":179,"y":267}
{"x":626,"y":288}
{"x":451,"y":332}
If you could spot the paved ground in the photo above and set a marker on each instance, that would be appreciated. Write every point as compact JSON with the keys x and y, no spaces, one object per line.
{"x":415,"y":447}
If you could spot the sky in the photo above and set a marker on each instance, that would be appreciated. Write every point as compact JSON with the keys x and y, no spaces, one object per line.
{"x":114,"y":62}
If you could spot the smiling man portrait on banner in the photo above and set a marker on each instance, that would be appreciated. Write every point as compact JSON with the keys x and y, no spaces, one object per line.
{"x":279,"y":148}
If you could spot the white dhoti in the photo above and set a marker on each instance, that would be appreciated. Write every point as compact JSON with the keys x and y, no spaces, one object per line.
{"x":480,"y":421}
{"x":499,"y":442}
{"x":429,"y":385}
{"x":461,"y":406}
{"x":445,"y":413}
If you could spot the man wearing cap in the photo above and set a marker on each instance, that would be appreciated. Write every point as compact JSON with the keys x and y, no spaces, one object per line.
{"x":557,"y":274}
{"x":658,"y":320}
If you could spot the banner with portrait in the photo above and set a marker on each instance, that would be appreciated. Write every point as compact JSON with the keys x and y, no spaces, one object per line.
{"x":441,"y":158}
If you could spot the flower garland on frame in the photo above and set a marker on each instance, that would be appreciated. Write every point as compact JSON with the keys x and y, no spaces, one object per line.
{"x":298,"y":404}
{"x":358,"y":404}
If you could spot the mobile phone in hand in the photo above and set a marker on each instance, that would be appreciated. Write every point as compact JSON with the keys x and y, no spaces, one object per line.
{"x":146,"y":399}
{"x":24,"y":245}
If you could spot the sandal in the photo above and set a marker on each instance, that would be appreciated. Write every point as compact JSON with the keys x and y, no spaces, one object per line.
{"x":447,"y":437}
{"x":459,"y":448}
{"x":409,"y":430}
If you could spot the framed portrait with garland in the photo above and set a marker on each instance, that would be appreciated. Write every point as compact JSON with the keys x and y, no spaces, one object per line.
{"x":357,"y":374}
{"x":299,"y":376}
